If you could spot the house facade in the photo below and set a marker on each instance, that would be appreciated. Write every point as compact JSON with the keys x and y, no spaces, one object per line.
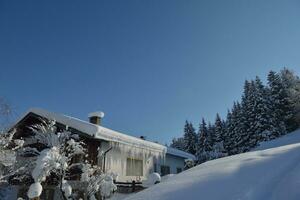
{"x":128,"y":157}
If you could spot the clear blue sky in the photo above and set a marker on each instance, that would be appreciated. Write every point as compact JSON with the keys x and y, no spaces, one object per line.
{"x":149,"y":65}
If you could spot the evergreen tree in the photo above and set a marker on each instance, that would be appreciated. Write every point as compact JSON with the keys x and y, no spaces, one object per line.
{"x":238,"y":127}
{"x":252,"y":117}
{"x":279,"y":102}
{"x":178,"y":143}
{"x":190,"y":138}
{"x":291,"y":84}
{"x":219,"y":133}
{"x":219,"y":129}
{"x":247,"y":117}
{"x":229,"y":133}
{"x":212,"y":134}
{"x":263,"y":118}
{"x":264,"y":113}
{"x":204,"y":145}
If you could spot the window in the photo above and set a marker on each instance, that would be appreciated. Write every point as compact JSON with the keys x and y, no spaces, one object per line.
{"x":134,"y":167}
{"x":178,"y":170}
{"x":164,"y":170}
{"x":155,"y":167}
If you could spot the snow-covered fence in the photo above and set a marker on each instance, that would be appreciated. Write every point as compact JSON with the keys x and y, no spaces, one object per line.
{"x":128,"y":187}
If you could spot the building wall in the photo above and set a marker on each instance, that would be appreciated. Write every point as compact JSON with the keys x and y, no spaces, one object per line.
{"x":116,"y":161}
{"x":173,"y":162}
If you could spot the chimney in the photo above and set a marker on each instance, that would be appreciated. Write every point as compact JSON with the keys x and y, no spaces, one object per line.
{"x":96,"y":117}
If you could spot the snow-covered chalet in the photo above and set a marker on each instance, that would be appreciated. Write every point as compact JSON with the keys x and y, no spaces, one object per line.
{"x":129,"y":157}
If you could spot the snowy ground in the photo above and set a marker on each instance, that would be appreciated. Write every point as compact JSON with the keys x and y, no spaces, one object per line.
{"x":270,"y":174}
{"x":291,"y":138}
{"x":119,"y":196}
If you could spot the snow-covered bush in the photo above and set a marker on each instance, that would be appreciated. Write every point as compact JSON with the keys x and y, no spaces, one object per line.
{"x":107,"y":186}
{"x":35,"y":190}
{"x":8,"y":148}
{"x":53,"y":158}
{"x":98,"y":181}
{"x":189,"y":163}
{"x":152,"y":179}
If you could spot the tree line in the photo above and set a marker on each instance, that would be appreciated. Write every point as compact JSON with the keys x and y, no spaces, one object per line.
{"x":265,"y":112}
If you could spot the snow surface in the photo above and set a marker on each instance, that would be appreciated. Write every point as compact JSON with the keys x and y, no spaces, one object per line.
{"x":96,"y":114}
{"x":291,"y":138}
{"x":180,"y":153}
{"x":96,"y":131}
{"x":271,"y":174}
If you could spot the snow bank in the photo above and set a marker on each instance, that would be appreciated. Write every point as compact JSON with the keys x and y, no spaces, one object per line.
{"x":272,"y":174}
{"x":291,"y":138}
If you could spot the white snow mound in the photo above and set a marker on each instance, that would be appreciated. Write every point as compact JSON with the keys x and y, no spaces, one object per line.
{"x":271,"y":174}
{"x":152,"y":179}
{"x":35,"y":190}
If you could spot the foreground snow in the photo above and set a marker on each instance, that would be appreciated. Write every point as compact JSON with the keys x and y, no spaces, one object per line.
{"x":270,"y":174}
{"x":291,"y":138}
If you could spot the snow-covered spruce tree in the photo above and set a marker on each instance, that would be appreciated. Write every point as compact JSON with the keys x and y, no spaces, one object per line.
{"x":204,"y":143}
{"x":246,"y":119}
{"x":280,"y":104}
{"x":219,"y":132}
{"x":251,"y":116}
{"x":212,"y":133}
{"x":231,"y":134}
{"x":237,"y":115}
{"x":211,"y":141}
{"x":229,"y":139}
{"x":190,"y":138}
{"x":263,"y":113}
{"x":178,"y":143}
{"x":207,"y":142}
{"x":291,"y":84}
{"x":219,"y":135}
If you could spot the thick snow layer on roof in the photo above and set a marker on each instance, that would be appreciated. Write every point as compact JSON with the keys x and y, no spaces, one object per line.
{"x":96,"y":131}
{"x":96,"y":114}
{"x":271,"y":174}
{"x":179,"y":153}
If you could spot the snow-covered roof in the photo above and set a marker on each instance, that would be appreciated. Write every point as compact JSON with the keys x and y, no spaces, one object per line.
{"x":179,"y":153}
{"x":96,"y":131}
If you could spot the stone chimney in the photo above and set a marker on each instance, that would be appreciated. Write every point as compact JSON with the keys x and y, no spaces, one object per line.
{"x":96,"y":117}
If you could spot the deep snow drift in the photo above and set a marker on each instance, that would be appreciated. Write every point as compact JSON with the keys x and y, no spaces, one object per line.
{"x":291,"y":138}
{"x":270,"y":174}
